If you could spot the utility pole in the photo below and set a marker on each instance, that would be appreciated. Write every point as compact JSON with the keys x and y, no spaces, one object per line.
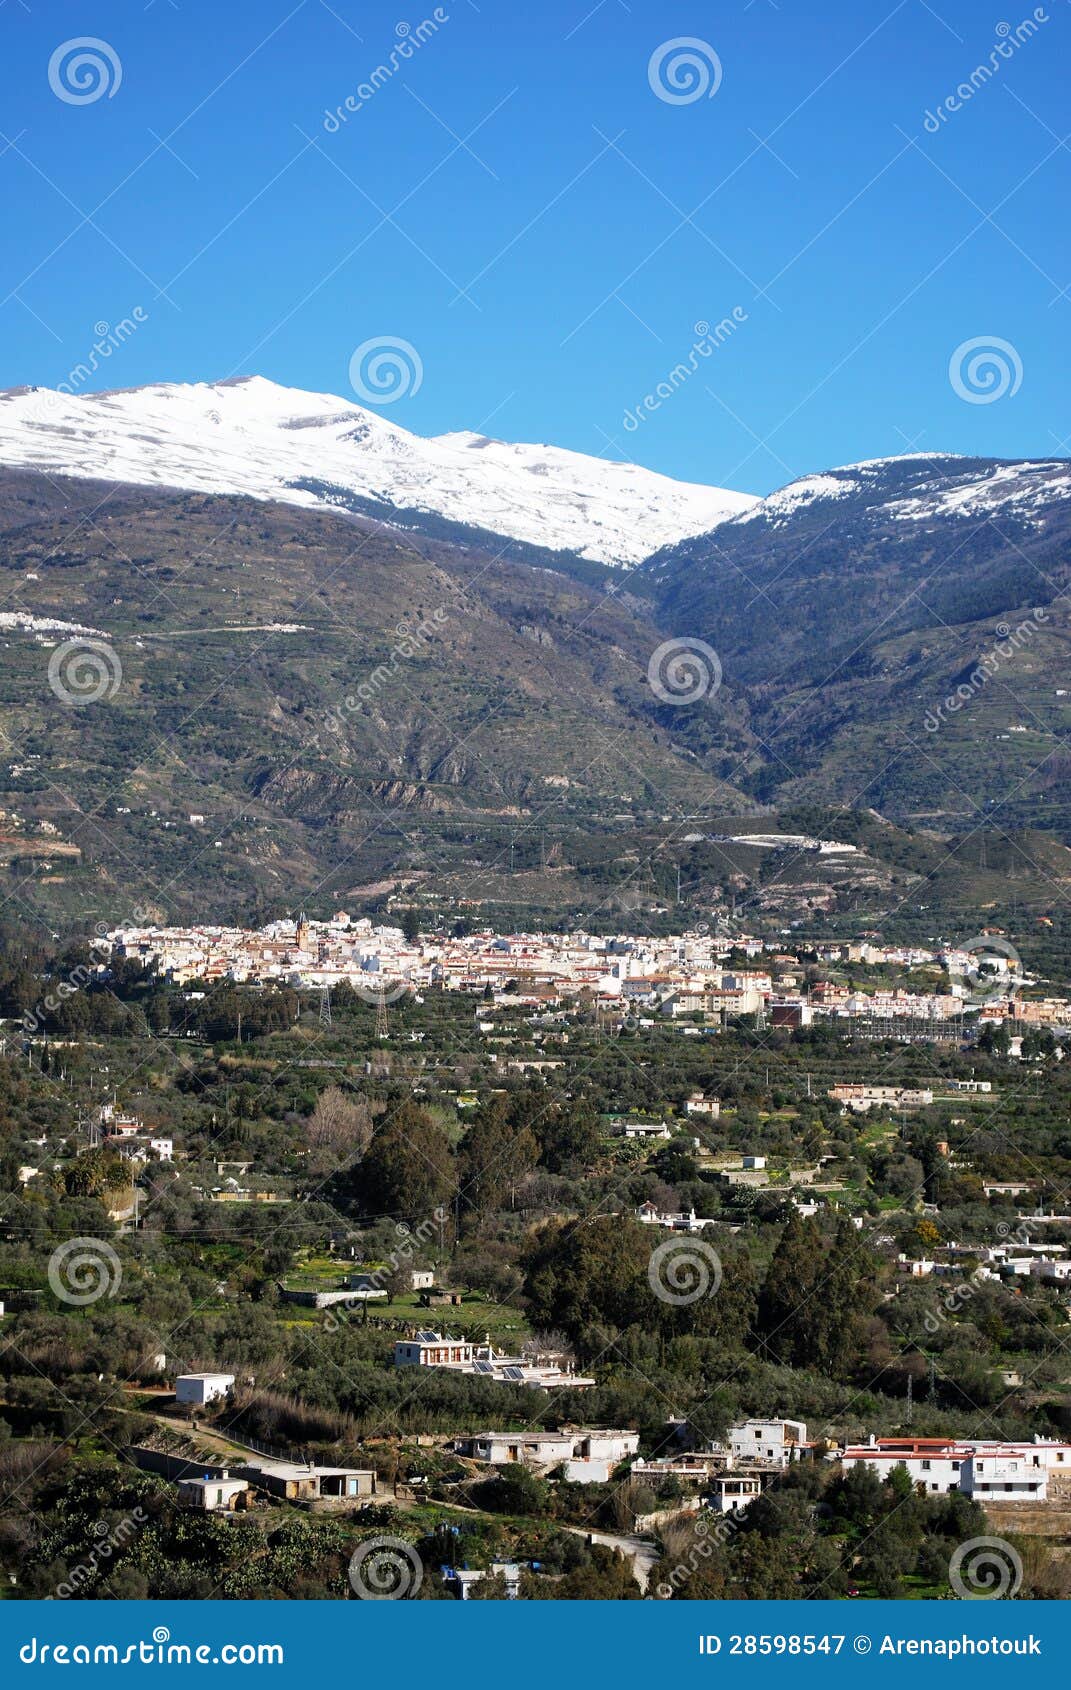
{"x":325,"y":1006}
{"x":382,"y":1018}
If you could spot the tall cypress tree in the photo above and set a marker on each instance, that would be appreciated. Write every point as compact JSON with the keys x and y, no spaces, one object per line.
{"x":787,"y":1305}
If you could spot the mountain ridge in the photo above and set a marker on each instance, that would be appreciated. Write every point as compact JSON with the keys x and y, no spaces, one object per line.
{"x":249,"y":436}
{"x":408,"y":710}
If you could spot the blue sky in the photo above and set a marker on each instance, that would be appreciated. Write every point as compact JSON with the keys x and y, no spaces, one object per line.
{"x":517,"y":202}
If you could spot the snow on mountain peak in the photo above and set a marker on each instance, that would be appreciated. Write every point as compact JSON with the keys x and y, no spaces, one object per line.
{"x":921,"y":486}
{"x":250,"y":436}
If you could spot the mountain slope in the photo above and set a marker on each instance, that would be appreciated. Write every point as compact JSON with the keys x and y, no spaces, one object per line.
{"x":920,"y":487}
{"x":848,"y":607}
{"x":337,"y":704}
{"x":835,"y":560}
{"x":302,"y":706}
{"x":252,"y":437}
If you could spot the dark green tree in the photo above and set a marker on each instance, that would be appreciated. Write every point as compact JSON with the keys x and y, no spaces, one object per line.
{"x":407,"y":1169}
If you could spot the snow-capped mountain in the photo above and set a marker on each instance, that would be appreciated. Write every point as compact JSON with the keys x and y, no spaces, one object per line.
{"x":250,"y":436}
{"x":868,"y":550}
{"x":920,"y":487}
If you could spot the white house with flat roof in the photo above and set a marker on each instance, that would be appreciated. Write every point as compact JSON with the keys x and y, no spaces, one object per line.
{"x":588,"y":1456}
{"x":779,"y":1441}
{"x":459,"y":1355}
{"x":505,"y":1449}
{"x":986,"y":1468}
{"x":460,"y":1580}
{"x":731,"y":1493}
{"x":214,"y":1494}
{"x":295,"y":1481}
{"x":650,"y":1214}
{"x":699,"y":1104}
{"x":643,"y":1129}
{"x":201,"y":1388}
{"x":432,"y":1349}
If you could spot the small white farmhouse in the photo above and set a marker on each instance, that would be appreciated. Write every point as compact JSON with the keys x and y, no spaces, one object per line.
{"x":201,"y":1388}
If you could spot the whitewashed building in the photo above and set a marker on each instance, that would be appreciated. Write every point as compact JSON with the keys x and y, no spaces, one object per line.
{"x":587,"y":1456}
{"x":779,"y":1441}
{"x":201,"y":1388}
{"x":214,"y":1493}
{"x":459,"y":1355}
{"x":731,"y":1493}
{"x":985,"y":1468}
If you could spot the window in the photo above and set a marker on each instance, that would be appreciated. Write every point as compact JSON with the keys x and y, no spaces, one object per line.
{"x":926,"y":1465}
